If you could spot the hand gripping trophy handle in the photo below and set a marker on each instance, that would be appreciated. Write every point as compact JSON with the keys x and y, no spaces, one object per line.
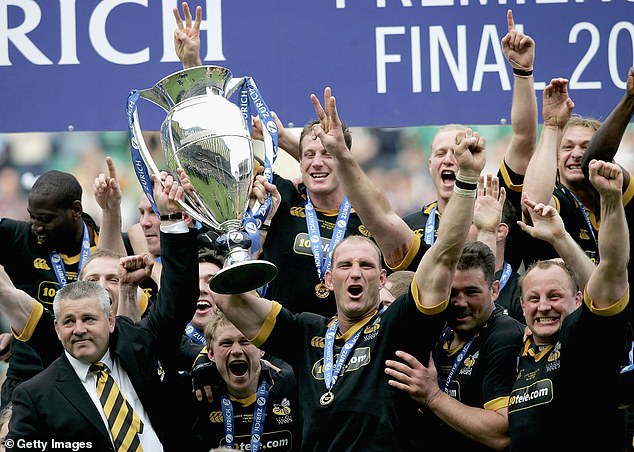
{"x":206,"y":135}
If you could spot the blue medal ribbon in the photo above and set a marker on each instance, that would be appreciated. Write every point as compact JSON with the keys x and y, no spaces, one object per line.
{"x":259,"y":414}
{"x":331,"y":372}
{"x":195,"y":334}
{"x":58,"y":263}
{"x":430,"y":227}
{"x":506,"y":274}
{"x":457,"y":361}
{"x":323,"y":264}
{"x":587,"y":219}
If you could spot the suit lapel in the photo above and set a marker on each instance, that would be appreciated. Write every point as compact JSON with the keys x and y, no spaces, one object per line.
{"x":73,"y":390}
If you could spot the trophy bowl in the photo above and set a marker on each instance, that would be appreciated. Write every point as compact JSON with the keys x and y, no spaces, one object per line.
{"x":206,"y":136}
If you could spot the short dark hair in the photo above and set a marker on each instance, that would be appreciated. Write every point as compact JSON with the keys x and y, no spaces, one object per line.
{"x":347,"y":136}
{"x":477,"y":255}
{"x":210,"y":256}
{"x":62,"y":188}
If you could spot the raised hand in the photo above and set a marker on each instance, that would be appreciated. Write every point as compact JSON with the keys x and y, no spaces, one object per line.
{"x":556,"y":104}
{"x":606,"y":177}
{"x":134,"y":269}
{"x":469,"y":153}
{"x":106,"y":188}
{"x":329,"y":130}
{"x":518,"y":48}
{"x":547,"y":224}
{"x":487,"y":211}
{"x":167,"y":193}
{"x":187,"y":36}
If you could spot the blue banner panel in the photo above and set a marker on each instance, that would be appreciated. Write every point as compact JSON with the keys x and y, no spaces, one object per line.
{"x":70,"y":64}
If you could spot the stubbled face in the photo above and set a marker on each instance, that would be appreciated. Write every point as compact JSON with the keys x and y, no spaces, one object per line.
{"x":471,"y":301}
{"x":547,"y":299}
{"x":205,"y":305}
{"x":150,"y":224}
{"x":573,"y":144}
{"x":237,"y":360}
{"x":443,"y":165}
{"x":84,"y":329}
{"x":356,"y":278}
{"x":317,"y":168}
{"x":105,"y":272}
{"x":51,"y":223}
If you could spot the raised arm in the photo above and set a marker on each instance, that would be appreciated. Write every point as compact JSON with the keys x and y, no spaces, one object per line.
{"x":132,"y":270}
{"x":606,"y":140}
{"x":541,"y":172}
{"x":519,"y":50}
{"x":435,"y":272}
{"x":608,"y":283}
{"x":549,"y":227}
{"x":15,"y":304}
{"x":389,"y":230}
{"x":187,"y":36}
{"x":108,"y":196}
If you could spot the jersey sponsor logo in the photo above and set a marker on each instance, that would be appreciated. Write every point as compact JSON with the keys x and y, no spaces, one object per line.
{"x":360,"y":357}
{"x":317,"y":342}
{"x":538,"y":393}
{"x":302,"y":244}
{"x":281,"y":440}
{"x":583,"y":234}
{"x":297,"y":212}
{"x":40,"y":264}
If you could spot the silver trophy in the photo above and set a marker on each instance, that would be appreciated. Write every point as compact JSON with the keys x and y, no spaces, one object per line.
{"x":206,"y":135}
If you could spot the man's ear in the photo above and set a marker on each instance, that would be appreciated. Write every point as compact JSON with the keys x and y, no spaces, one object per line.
{"x":328,"y":280}
{"x":502,"y":231}
{"x":59,"y":333}
{"x":77,"y":209}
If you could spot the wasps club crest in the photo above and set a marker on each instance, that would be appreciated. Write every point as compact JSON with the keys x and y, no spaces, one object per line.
{"x":283,"y":408}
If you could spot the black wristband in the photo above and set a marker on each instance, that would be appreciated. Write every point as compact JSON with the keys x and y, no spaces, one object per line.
{"x":522,"y":72}
{"x":172,"y":216}
{"x":465,"y":185}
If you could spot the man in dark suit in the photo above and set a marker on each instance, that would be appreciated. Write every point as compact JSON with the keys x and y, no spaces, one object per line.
{"x":62,"y":403}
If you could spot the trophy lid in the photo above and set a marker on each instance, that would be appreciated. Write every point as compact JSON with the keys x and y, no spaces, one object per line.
{"x":188,"y":83}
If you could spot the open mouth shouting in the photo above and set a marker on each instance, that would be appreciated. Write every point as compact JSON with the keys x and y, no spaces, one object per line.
{"x":238,"y":367}
{"x":448,"y":177}
{"x":355,"y":291}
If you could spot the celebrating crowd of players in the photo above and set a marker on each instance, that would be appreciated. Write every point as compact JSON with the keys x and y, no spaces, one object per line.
{"x":495,"y":318}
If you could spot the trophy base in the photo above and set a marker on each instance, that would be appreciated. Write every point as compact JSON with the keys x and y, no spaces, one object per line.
{"x":243,"y":277}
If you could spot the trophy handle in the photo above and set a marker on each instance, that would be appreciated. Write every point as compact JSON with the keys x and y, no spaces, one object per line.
{"x":232,"y":86}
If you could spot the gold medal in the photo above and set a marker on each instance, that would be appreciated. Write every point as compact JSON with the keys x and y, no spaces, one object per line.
{"x":321,"y":290}
{"x":326,"y":399}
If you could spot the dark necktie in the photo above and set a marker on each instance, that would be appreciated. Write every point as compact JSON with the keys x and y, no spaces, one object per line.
{"x":124,"y":424}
